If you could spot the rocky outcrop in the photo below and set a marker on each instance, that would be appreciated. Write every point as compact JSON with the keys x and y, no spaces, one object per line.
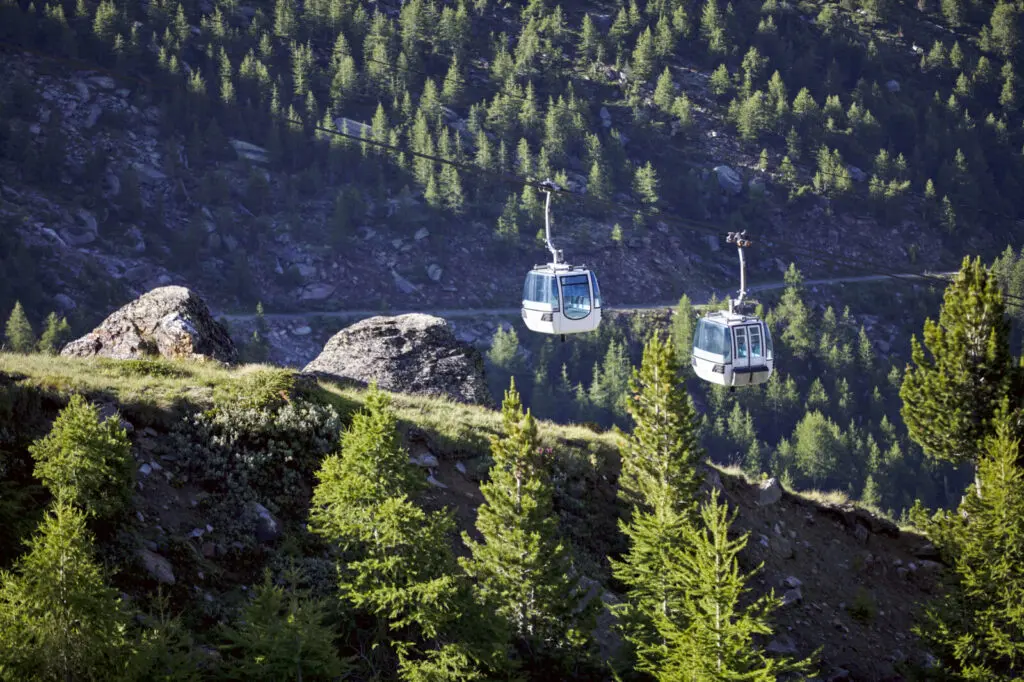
{"x":171,"y":322}
{"x":412,"y":353}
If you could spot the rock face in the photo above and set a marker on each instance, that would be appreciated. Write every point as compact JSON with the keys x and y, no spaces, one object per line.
{"x":412,"y":353}
{"x":169,"y":321}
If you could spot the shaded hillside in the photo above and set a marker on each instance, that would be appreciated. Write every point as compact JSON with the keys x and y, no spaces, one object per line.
{"x":852,"y":582}
{"x":148,"y":172}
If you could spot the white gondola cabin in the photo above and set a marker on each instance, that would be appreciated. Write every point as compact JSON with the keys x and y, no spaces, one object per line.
{"x":732,"y":349}
{"x":559,"y":298}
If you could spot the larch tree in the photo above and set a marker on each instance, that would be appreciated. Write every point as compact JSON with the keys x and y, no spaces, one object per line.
{"x":398,"y":566}
{"x":976,"y":630}
{"x":58,"y":618}
{"x":86,"y":461}
{"x":521,"y":567}
{"x":19,"y":334}
{"x":684,"y":322}
{"x":54,"y":334}
{"x":708,"y":637}
{"x":950,"y":394}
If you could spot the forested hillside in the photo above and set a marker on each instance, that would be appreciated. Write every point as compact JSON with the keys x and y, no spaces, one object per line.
{"x":128,"y":130}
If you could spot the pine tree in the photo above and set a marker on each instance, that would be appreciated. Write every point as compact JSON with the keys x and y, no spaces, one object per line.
{"x":950,"y":395}
{"x":398,"y":564}
{"x":19,"y":334}
{"x":973,"y":627}
{"x":58,"y":618}
{"x":86,"y":461}
{"x":521,"y":567}
{"x":280,"y":634}
{"x":665,"y":91}
{"x":710,"y":635}
{"x":684,"y":322}
{"x":54,"y":335}
{"x":645,"y":184}
{"x":659,"y":461}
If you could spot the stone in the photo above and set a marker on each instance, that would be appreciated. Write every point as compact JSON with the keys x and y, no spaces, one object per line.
{"x":426,"y":460}
{"x":892,"y":85}
{"x":756,"y":185}
{"x":712,"y":240}
{"x":304,"y":330}
{"x":65,"y":302}
{"x":421,"y":234}
{"x":103,"y":82}
{"x":404,"y":285}
{"x":436,"y":483}
{"x":857,"y":174}
{"x":316,"y":292}
{"x":792,"y":582}
{"x":728,"y":179}
{"x":794,"y":596}
{"x":434,"y":272}
{"x":606,"y":117}
{"x":171,"y":322}
{"x":782,"y":547}
{"x":75,"y":237}
{"x":862,"y":534}
{"x":268,"y":528}
{"x":249,"y":151}
{"x":413,"y":353}
{"x":783,"y":644}
{"x":157,"y":566}
{"x":95,"y":111}
{"x":145,"y":469}
{"x":770,"y":492}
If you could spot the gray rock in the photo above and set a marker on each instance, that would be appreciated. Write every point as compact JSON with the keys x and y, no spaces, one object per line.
{"x":316,"y":292}
{"x":782,"y":548}
{"x":421,"y":234}
{"x":756,"y":185}
{"x":157,"y":566}
{"x":168,"y":321}
{"x":76,"y":237}
{"x":138,"y":242}
{"x":65,"y":302}
{"x":268,"y":528}
{"x":95,"y":111}
{"x":427,"y":460}
{"x":793,"y":596}
{"x":712,"y":240}
{"x":893,"y":85}
{"x":145,"y":469}
{"x":770,"y":493}
{"x":434,"y":272}
{"x":404,"y":285}
{"x":728,"y":179}
{"x":304,"y":330}
{"x":436,"y":483}
{"x":104,"y":82}
{"x":792,"y":582}
{"x":606,"y":117}
{"x":857,"y":174}
{"x":412,"y":353}
{"x":783,"y":644}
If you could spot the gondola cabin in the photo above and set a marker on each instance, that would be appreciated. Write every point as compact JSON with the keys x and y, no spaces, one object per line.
{"x":732,"y":349}
{"x":561,"y":299}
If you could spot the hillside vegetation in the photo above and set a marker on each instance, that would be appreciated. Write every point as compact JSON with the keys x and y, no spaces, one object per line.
{"x":837,"y":124}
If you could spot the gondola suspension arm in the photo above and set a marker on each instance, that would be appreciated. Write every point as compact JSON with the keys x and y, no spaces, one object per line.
{"x":549,"y":187}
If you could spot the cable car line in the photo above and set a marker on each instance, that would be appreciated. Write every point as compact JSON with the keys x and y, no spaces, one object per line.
{"x":686,"y":223}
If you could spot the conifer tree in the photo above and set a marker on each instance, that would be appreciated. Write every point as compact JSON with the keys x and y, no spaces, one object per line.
{"x":951,"y":394}
{"x":684,"y":322}
{"x":58,"y":618}
{"x":659,"y":461}
{"x":54,"y":335}
{"x":19,"y":334}
{"x":709,"y":636}
{"x":645,"y":184}
{"x":280,"y":634}
{"x":86,"y":461}
{"x":521,"y":567}
{"x":975,"y":627}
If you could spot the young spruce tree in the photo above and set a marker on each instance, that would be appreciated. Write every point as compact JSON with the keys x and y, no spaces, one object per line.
{"x":20,"y":337}
{"x":521,"y":567}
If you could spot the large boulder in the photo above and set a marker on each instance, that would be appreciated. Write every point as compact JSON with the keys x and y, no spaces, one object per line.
{"x":412,"y":353}
{"x":172,"y":322}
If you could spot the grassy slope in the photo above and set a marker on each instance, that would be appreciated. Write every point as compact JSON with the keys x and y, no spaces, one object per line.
{"x":858,"y":606}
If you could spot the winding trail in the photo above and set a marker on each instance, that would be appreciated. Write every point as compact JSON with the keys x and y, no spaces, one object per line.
{"x":452,"y":313}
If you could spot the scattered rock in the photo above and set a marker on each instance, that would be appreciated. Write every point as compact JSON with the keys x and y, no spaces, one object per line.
{"x":412,"y":353}
{"x":434,"y":272}
{"x":728,"y":179}
{"x":249,"y":151}
{"x":857,"y":174}
{"x":893,"y":85}
{"x":783,"y":644}
{"x":770,"y":493}
{"x":404,"y":285}
{"x":103,"y":82}
{"x":712,"y":240}
{"x":172,"y":322}
{"x":304,"y":330}
{"x":792,"y":582}
{"x":157,"y":566}
{"x":145,"y":469}
{"x":427,"y":460}
{"x":65,"y":302}
{"x":421,"y":234}
{"x":606,"y":117}
{"x":436,"y":483}
{"x":316,"y":292}
{"x":268,"y":528}
{"x":782,"y":548}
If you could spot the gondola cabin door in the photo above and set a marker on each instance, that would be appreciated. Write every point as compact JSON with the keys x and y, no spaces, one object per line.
{"x":751,"y":359}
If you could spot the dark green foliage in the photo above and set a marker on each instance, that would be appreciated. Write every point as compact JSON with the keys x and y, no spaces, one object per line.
{"x":85,"y":461}
{"x":281,"y":634}
{"x":54,"y":335}
{"x":950,"y":395}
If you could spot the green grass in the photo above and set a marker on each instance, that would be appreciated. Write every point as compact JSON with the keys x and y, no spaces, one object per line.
{"x":454,"y":428}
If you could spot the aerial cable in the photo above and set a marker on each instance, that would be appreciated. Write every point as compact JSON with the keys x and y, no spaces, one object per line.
{"x":688,"y":224}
